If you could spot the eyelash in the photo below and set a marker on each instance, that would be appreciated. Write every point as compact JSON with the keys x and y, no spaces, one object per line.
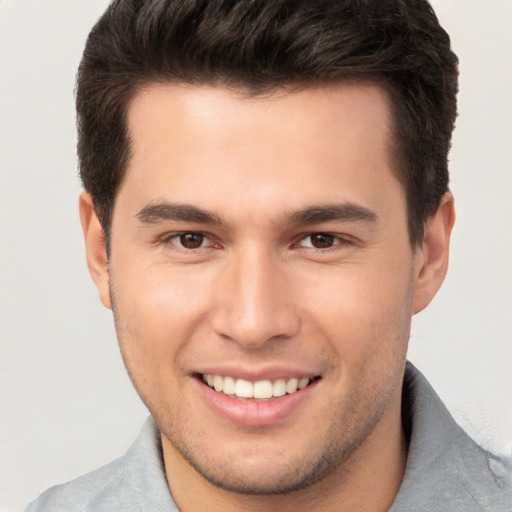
{"x":174,"y":239}
{"x":336,"y":239}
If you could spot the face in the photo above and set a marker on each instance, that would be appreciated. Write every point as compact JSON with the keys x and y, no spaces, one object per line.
{"x":262,"y":280}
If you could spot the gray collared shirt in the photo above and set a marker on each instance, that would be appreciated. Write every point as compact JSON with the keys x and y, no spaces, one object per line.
{"x":445,"y":472}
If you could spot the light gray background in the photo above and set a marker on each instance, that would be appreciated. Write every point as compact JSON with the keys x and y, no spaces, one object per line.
{"x":66,"y":405}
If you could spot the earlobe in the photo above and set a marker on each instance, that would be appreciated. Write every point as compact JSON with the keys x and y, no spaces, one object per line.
{"x":95,"y":248}
{"x":432,"y":255}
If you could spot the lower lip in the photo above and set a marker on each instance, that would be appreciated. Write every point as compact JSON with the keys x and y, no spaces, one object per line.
{"x":255,"y":414}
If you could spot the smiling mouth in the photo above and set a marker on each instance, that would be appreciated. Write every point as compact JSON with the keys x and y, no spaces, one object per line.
{"x":261,"y":390}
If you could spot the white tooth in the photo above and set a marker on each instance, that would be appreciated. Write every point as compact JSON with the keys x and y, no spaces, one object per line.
{"x":218,"y":382}
{"x":291,"y":385}
{"x":279,"y":387}
{"x":263,"y":389}
{"x":303,"y":383}
{"x":209,"y":380}
{"x":243,"y":389}
{"x":229,"y":386}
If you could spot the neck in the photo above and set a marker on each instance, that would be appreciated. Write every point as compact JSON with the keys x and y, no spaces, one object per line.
{"x":368,"y":480}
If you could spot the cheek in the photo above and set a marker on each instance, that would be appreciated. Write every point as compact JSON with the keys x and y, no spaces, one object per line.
{"x":365,"y":311}
{"x":158,"y":293}
{"x":156,"y":312}
{"x":162,"y":318}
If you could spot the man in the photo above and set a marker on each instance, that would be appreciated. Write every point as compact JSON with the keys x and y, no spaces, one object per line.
{"x":266,"y":205}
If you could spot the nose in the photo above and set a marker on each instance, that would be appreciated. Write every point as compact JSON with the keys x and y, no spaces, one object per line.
{"x":254,"y":301}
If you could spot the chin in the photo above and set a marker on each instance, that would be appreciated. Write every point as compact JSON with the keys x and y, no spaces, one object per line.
{"x":252,"y":472}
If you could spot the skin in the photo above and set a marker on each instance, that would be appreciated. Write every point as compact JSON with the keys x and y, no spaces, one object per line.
{"x":257,"y":297}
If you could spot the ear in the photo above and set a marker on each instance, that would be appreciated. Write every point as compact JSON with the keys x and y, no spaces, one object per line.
{"x":432,"y":254}
{"x":95,"y":248}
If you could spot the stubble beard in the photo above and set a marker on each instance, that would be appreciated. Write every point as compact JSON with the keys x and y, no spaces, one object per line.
{"x":297,"y":474}
{"x":326,"y":456}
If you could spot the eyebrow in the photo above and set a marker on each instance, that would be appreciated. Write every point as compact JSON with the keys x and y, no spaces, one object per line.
{"x":153,"y":213}
{"x":344,"y":212}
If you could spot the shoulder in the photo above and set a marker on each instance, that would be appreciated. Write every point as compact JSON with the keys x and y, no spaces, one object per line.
{"x":135,"y":482}
{"x":446,"y":469}
{"x":100,"y":490}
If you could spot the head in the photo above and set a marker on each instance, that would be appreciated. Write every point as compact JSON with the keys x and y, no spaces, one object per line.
{"x":271,"y":178}
{"x":257,"y":47}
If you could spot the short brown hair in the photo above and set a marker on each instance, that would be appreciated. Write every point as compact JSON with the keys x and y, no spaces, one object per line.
{"x":261,"y":45}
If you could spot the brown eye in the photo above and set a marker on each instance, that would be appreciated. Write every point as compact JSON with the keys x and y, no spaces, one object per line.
{"x":321,"y":240}
{"x":191,"y":240}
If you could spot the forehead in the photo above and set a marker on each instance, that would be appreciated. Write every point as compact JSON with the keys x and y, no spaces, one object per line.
{"x":305,"y":113}
{"x":208,"y":144}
